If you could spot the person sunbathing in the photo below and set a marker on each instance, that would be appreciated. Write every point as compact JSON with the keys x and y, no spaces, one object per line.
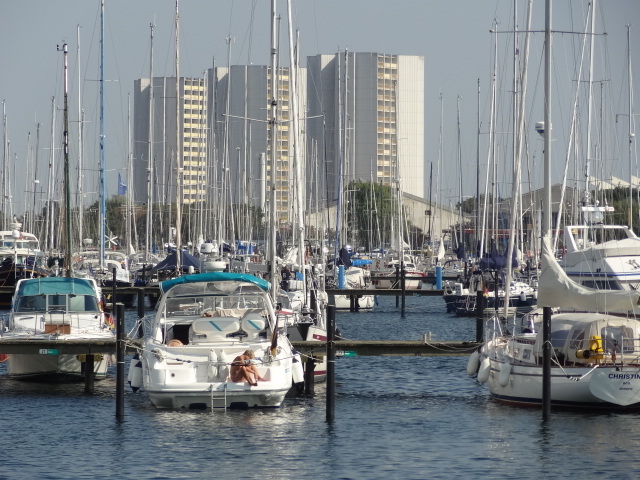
{"x":242,"y":369}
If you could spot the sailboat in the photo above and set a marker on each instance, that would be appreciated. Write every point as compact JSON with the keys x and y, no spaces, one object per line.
{"x":581,"y":356}
{"x":58,"y":308}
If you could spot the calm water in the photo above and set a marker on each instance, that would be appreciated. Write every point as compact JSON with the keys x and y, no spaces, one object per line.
{"x":396,"y":418}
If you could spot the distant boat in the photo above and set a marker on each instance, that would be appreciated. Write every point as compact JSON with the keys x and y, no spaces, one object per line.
{"x":20,"y":257}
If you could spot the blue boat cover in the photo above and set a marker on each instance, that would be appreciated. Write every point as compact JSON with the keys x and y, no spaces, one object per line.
{"x":56,"y":285}
{"x":214,"y":277}
{"x":170,"y":263}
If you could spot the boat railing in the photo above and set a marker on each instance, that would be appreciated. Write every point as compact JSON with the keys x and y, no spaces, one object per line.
{"x":595,"y":349}
{"x":56,"y":322}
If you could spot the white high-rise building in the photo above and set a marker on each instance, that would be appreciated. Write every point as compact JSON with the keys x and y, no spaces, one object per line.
{"x":366,"y":115}
{"x":187,"y":157}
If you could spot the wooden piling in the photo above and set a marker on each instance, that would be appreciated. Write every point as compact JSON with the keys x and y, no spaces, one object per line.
{"x":331,"y":362}
{"x":89,"y":373}
{"x":120,"y":348}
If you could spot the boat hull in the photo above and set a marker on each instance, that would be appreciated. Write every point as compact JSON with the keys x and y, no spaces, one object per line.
{"x":53,"y":367}
{"x":570,"y":386}
{"x":363,"y":302}
{"x":182,"y":378}
{"x":219,"y":398}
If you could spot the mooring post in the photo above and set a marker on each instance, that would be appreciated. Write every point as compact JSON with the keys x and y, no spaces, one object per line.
{"x":403,"y":286}
{"x":88,"y":373}
{"x":120,"y":347}
{"x":397,"y":284}
{"x":480,"y":311}
{"x":114,"y":289}
{"x":140,"y":310}
{"x":331,"y":362}
{"x":309,"y":369}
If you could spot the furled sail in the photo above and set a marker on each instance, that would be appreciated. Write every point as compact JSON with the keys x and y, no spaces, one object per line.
{"x":556,"y":289}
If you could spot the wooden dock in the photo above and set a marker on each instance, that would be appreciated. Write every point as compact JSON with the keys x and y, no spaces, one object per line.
{"x":369,"y":348}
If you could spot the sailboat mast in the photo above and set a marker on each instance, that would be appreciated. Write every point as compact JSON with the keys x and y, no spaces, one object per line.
{"x":336,"y":246}
{"x":590,"y":110}
{"x":293,"y":95}
{"x":273,"y":123}
{"x":67,"y":175}
{"x":150,"y":162}
{"x":50,"y":180}
{"x":103,"y":200}
{"x":129,"y":173}
{"x":79,"y":200}
{"x":5,"y":163}
{"x":630,"y":118}
{"x":546,"y":201}
{"x":178,"y":149}
{"x":476,"y":238}
{"x":67,"y":170}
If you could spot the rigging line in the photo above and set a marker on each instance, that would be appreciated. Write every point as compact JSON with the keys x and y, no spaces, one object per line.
{"x":253,"y":11}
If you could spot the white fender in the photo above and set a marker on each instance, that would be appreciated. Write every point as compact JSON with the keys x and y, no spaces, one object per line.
{"x":473,"y":363}
{"x":223,"y":368}
{"x":212,"y":368}
{"x":298,"y":371}
{"x":135,"y":373}
{"x":484,"y":371}
{"x":523,"y":297}
{"x":505,"y":373}
{"x":130,"y":373}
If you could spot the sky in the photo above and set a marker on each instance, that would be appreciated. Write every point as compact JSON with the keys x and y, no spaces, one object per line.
{"x":453,"y":36}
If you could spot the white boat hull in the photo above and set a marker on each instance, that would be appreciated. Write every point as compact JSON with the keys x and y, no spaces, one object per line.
{"x":343,"y":302}
{"x":50,"y":367}
{"x":182,"y":379}
{"x":570,"y":386}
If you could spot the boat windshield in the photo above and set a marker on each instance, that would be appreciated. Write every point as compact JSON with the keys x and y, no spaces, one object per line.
{"x":56,"y":302}
{"x":216,"y":305}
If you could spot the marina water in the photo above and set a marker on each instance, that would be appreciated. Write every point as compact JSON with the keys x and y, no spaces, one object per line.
{"x":395,"y":417}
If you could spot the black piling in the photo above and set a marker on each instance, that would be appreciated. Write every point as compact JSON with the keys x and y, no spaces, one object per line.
{"x":403,"y":287}
{"x":479,"y":312}
{"x":114,"y":289}
{"x":309,"y":371}
{"x":331,"y":362}
{"x":397,"y":284}
{"x":546,"y":363}
{"x":88,"y":373}
{"x":120,"y":348}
